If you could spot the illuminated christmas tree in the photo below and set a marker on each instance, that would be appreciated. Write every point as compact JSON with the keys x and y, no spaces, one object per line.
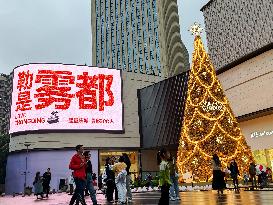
{"x":209,"y":125}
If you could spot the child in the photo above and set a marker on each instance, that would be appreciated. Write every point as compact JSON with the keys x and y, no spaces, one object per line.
{"x":120,"y":179}
{"x":245,"y":178}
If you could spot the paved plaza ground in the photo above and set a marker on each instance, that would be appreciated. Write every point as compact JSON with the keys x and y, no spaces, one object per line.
{"x":151,"y":198}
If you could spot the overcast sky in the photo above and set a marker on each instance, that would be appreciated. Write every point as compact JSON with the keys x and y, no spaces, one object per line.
{"x":59,"y":31}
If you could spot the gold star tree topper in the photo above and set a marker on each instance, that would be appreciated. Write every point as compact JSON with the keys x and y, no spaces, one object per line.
{"x":196,"y":29}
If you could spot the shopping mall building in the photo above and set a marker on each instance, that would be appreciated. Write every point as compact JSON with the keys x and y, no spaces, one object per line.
{"x":240,"y":44}
{"x":146,"y":45}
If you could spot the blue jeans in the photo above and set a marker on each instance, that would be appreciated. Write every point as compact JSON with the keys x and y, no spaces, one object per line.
{"x":78,"y":195}
{"x":174,"y":190}
{"x":90,"y":187}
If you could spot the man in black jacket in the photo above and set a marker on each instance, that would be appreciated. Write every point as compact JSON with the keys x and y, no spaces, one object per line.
{"x":234,"y":172}
{"x":46,"y":181}
{"x":110,"y":180}
{"x":89,"y":180}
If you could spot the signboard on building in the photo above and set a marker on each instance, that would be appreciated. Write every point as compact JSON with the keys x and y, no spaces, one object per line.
{"x":261,"y":134}
{"x":66,"y":97}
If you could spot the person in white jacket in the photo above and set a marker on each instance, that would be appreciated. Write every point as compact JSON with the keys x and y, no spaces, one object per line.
{"x":120,"y":180}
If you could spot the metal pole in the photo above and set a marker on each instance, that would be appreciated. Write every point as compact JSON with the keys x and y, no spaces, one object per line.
{"x":25,"y":173}
{"x":140,"y":163}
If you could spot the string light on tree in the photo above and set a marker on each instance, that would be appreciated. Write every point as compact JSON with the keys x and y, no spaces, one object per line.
{"x":209,"y":125}
{"x":219,"y":140}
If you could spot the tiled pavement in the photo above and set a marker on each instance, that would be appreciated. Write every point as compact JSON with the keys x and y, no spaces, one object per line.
{"x":151,"y":198}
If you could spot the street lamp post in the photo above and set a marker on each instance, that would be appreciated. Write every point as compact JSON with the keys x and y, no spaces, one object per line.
{"x":26,"y":169}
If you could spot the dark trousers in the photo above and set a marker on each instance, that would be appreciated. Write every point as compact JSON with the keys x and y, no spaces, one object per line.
{"x":253,"y":180}
{"x":111,"y":187}
{"x":71,"y":189}
{"x":78,"y":195}
{"x":116,"y":192}
{"x":235,"y":182}
{"x":46,"y":189}
{"x":164,"y":199}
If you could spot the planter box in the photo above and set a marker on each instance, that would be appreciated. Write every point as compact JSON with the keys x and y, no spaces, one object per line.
{"x":28,"y":191}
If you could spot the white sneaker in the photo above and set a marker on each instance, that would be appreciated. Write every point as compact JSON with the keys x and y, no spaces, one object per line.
{"x":130,"y":200}
{"x":172,"y":199}
{"x":177,"y":198}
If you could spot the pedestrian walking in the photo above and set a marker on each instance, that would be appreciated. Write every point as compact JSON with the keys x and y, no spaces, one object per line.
{"x":252,"y":174}
{"x":234,"y":172}
{"x":89,"y":180}
{"x":115,"y":160}
{"x":78,"y":165}
{"x":110,"y":180}
{"x":128,"y":176}
{"x":38,"y":185}
{"x":218,"y":181}
{"x":46,"y":182}
{"x":120,"y":180}
{"x":269,"y":174}
{"x":174,"y":189}
{"x":164,"y":176}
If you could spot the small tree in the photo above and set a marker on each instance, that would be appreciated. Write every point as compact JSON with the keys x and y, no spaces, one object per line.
{"x":4,"y":151}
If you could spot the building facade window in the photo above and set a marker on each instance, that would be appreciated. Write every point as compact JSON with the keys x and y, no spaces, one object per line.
{"x":127,"y":35}
{"x":102,"y":33}
{"x":156,"y":36}
{"x":118,"y":35}
{"x":107,"y":43}
{"x":98,"y":40}
{"x":113,"y":45}
{"x":139,"y":42}
{"x":134,"y":37}
{"x":122,"y":17}
{"x":145,"y":36}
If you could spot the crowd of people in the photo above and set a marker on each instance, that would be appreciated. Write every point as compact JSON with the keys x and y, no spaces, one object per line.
{"x":219,"y":176}
{"x":41,"y":184}
{"x":117,"y":178}
{"x":82,"y":176}
{"x":168,"y":177}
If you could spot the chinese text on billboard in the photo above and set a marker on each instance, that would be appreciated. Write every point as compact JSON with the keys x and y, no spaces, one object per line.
{"x":56,"y":96}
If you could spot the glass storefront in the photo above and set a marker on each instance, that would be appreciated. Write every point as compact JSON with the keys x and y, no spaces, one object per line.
{"x":264,"y":157}
{"x":133,"y":155}
{"x":259,"y":136}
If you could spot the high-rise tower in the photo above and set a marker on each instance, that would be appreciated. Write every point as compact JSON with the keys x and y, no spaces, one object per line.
{"x":141,"y":36}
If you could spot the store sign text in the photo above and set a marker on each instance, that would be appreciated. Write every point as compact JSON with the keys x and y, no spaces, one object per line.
{"x":261,"y":134}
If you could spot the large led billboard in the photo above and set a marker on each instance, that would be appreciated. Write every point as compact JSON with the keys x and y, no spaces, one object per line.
{"x":66,"y":97}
